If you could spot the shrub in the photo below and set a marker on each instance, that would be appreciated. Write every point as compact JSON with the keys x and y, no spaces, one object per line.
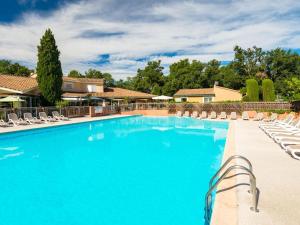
{"x":268,"y":90}
{"x":252,"y":90}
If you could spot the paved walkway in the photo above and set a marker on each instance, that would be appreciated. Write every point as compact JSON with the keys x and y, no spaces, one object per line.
{"x":278,"y":179}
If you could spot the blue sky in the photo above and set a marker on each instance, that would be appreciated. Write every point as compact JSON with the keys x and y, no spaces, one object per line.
{"x":120,"y":36}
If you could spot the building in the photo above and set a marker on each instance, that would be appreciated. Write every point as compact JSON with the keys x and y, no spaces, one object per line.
{"x":77,"y":91}
{"x":206,"y":95}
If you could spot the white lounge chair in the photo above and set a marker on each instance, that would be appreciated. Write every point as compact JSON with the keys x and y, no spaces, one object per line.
{"x":4,"y":124}
{"x":294,"y":150}
{"x":279,"y":136}
{"x":272,"y":118}
{"x":213,"y":115}
{"x":203,"y":115}
{"x":195,"y":114}
{"x":278,"y":123}
{"x":223,"y":115}
{"x":233,"y":116}
{"x":179,"y":113}
{"x":245,"y":115}
{"x":258,"y":117}
{"x":13,"y":119}
{"x":186,"y":114}
{"x":57,"y":116}
{"x":30,"y":119}
{"x":289,"y":128}
{"x":43,"y":116}
{"x":289,"y":141}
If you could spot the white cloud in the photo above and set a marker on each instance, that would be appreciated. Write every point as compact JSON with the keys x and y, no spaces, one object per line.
{"x":197,"y":29}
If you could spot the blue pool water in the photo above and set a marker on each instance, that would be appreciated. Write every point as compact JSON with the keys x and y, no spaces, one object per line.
{"x":129,"y":171}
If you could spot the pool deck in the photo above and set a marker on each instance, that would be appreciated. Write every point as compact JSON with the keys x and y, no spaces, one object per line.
{"x":278,"y":181}
{"x":58,"y":123}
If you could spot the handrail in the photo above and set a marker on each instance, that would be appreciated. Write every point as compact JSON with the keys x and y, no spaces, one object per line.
{"x":253,"y":189}
{"x":226,"y":163}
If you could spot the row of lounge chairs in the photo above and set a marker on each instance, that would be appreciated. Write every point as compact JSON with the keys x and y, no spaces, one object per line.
{"x":204,"y":115}
{"x":286,"y":133}
{"x":14,"y":120}
{"x":223,"y":115}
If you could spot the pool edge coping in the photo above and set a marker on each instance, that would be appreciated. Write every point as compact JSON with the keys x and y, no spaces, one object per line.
{"x":225,"y":211}
{"x":73,"y":121}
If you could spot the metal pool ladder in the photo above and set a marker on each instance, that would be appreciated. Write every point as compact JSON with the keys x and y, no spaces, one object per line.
{"x":213,"y":185}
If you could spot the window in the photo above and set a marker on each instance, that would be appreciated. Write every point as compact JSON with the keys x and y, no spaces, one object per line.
{"x":91,"y":88}
{"x":208,"y":99}
{"x":69,"y":86}
{"x":183,"y":99}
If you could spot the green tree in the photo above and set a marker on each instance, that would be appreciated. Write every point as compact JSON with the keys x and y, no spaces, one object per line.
{"x":109,"y":81}
{"x":7,"y":67}
{"x":149,"y":77}
{"x":92,"y":73}
{"x":252,"y":90}
{"x":49,"y":71}
{"x":268,"y":90}
{"x":75,"y":73}
{"x":293,"y":88}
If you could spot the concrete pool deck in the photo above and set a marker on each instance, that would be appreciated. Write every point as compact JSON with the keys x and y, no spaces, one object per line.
{"x":278,"y":181}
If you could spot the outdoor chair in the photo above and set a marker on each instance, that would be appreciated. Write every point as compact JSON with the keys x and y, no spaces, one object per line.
{"x":43,"y":116}
{"x":15,"y":120}
{"x":30,"y":119}
{"x":57,"y":116}
{"x":223,"y":115}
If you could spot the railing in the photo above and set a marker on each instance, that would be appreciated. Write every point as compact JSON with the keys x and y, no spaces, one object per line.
{"x":213,"y":186}
{"x":238,"y":107}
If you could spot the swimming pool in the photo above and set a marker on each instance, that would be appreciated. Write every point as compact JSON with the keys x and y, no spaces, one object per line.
{"x":129,"y":171}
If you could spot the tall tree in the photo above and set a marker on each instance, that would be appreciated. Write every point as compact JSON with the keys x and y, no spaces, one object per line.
{"x":49,"y":71}
{"x":149,"y":77}
{"x":92,"y":73}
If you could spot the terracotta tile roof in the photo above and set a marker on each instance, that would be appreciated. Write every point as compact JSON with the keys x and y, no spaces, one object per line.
{"x":195,"y":92}
{"x":17,"y":83}
{"x":122,"y":93}
{"x":83,"y":80}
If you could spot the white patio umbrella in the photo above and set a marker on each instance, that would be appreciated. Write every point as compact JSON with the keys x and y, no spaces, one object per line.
{"x":162,"y":97}
{"x":12,"y":99}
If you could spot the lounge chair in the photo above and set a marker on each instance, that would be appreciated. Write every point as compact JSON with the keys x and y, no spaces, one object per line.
{"x":223,"y":115}
{"x":245,"y":116}
{"x":30,"y":119}
{"x":13,"y":119}
{"x":57,"y":116}
{"x":186,"y":114}
{"x":279,"y":136}
{"x":203,"y":115}
{"x":43,"y":116}
{"x":278,"y":123}
{"x":258,"y":117}
{"x":285,"y":142}
{"x":213,"y":115}
{"x":179,"y":114}
{"x":289,"y":128}
{"x":272,"y":118}
{"x":294,"y":150}
{"x":233,"y":116}
{"x":4,"y":124}
{"x":195,"y":114}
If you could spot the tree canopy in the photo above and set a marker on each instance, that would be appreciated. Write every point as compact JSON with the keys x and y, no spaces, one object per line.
{"x":7,"y":67}
{"x":278,"y":65}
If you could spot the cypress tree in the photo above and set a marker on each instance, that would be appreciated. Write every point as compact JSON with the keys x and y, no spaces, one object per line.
{"x":252,"y":90}
{"x":268,"y":90}
{"x":49,"y":71}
